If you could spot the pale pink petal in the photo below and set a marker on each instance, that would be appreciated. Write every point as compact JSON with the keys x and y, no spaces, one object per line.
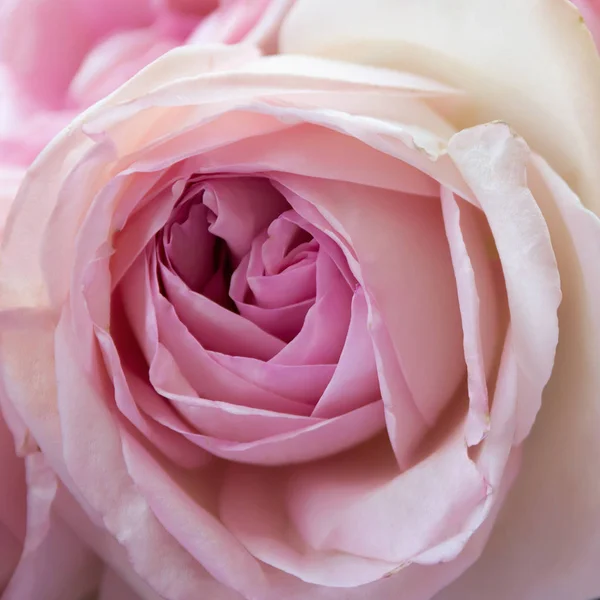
{"x":493,"y":162}
{"x":182,"y":514}
{"x":541,"y":549}
{"x":92,"y":446}
{"x":10,"y":180}
{"x":481,"y":295}
{"x":55,"y":564}
{"x":548,"y":72}
{"x":326,"y":500}
{"x":231,"y":22}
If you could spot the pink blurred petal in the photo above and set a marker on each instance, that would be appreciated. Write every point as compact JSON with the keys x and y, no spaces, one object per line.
{"x":113,"y":61}
{"x":44,"y":41}
{"x":231,"y":22}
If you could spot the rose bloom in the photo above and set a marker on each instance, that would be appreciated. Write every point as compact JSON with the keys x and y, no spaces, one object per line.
{"x":282,"y":326}
{"x":59,"y":56}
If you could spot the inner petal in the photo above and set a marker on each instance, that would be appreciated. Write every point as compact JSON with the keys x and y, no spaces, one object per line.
{"x":189,"y":247}
{"x":275,"y":285}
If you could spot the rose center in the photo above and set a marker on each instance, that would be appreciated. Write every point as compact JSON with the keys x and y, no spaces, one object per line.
{"x":238,"y":243}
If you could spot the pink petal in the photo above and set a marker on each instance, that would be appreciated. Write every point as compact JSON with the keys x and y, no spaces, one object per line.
{"x":182,"y":513}
{"x":30,"y":28}
{"x":218,"y":328}
{"x":493,"y":162}
{"x":173,"y":445}
{"x":243,"y":207}
{"x":481,"y":296}
{"x":283,"y":322}
{"x":151,"y":317}
{"x":113,"y":60}
{"x":332,"y":503}
{"x":231,"y":22}
{"x":55,"y":564}
{"x":543,"y":550}
{"x":416,"y":325}
{"x":354,"y":382}
{"x":188,"y":246}
{"x":92,"y":446}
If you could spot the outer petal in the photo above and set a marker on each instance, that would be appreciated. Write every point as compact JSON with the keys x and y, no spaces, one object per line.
{"x":546,"y":543}
{"x":55,"y":564}
{"x":549,"y":72}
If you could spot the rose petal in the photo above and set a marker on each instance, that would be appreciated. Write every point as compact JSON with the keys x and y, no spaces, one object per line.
{"x":29,"y":28}
{"x":493,"y":162}
{"x":354,"y":382}
{"x":481,"y":295}
{"x":532,"y":83}
{"x":543,"y":549}
{"x":216,"y":327}
{"x":421,"y":317}
{"x":55,"y":564}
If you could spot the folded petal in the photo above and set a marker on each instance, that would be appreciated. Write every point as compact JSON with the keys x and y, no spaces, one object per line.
{"x":540,"y":549}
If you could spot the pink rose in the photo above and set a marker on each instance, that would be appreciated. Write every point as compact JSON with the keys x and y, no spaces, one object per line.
{"x":282,"y":328}
{"x":533,"y":65}
{"x":590,"y":11}
{"x":60,"y":56}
